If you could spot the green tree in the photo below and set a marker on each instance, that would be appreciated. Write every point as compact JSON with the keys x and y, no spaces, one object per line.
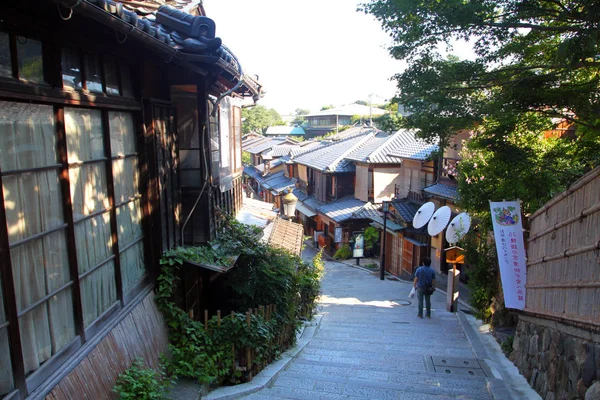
{"x":258,"y":118}
{"x":329,"y":107}
{"x":532,"y":56}
{"x":246,"y":158}
{"x":299,"y":118}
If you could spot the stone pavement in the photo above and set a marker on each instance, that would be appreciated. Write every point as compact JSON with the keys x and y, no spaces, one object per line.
{"x":369,"y":344}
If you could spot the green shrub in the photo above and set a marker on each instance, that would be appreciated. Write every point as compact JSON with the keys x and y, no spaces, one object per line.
{"x":343,"y":253}
{"x":371,"y":236}
{"x":309,"y":285}
{"x":139,"y":382}
{"x":263,"y":275}
{"x":507,"y":345}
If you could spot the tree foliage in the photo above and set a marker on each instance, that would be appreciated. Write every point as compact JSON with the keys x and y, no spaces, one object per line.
{"x":299,"y":116}
{"x":537,"y":61}
{"x":258,"y":118}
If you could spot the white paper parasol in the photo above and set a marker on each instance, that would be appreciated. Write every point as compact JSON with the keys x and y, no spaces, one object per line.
{"x":439,"y":220}
{"x":423,"y":215}
{"x":458,"y":227}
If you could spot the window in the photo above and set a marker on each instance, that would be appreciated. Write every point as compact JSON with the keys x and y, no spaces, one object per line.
{"x":36,"y":231}
{"x":111,"y":76}
{"x":93,"y":73}
{"x":89,"y":195}
{"x":99,"y":148}
{"x":236,"y":129}
{"x":5,"y":59}
{"x":6,"y":380}
{"x":71,"y":69}
{"x":126,"y":86}
{"x":29,"y":56}
{"x":127,"y":198}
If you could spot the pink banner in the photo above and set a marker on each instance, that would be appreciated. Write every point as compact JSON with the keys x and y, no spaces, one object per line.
{"x":510,"y":245}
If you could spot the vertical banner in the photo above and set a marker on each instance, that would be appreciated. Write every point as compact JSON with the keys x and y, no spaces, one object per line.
{"x":359,"y":246}
{"x":510,"y":246}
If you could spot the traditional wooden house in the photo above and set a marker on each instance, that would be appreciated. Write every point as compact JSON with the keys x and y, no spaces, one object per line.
{"x":395,"y":167}
{"x":326,"y":179}
{"x":119,"y":139}
{"x":444,"y":192}
{"x":330,"y":120}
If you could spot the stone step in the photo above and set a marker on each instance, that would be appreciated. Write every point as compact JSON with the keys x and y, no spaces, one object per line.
{"x":413,"y":371}
{"x":308,"y":389}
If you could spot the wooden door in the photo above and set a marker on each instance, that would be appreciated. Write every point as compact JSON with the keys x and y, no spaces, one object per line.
{"x":407,"y":256}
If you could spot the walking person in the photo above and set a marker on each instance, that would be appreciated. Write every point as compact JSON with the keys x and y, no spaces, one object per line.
{"x":425,"y":284}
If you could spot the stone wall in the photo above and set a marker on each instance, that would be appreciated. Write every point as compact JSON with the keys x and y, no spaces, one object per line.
{"x":559,"y":361}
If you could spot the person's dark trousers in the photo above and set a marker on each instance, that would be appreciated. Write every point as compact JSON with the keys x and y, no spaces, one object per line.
{"x":420,"y":295}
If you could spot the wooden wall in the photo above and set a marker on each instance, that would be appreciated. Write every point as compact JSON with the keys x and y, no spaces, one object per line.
{"x":141,"y":333}
{"x":361,"y":189}
{"x":563,"y":266}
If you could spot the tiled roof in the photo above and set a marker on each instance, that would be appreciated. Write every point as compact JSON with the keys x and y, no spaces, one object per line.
{"x":251,"y":171}
{"x":330,"y":158}
{"x":176,"y":27}
{"x":262,"y":146}
{"x":278,"y":182}
{"x":363,"y":152}
{"x":372,"y":212}
{"x":368,"y":211}
{"x":350,"y":110}
{"x":406,"y":209}
{"x":306,"y":148}
{"x":253,"y":141}
{"x":447,"y":191}
{"x":405,"y":144}
{"x":351,"y":132}
{"x":283,"y":150}
{"x":341,"y":210}
{"x":256,"y":212}
{"x":312,"y":203}
{"x":287,"y":235}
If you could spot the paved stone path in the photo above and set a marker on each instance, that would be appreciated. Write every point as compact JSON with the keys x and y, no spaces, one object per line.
{"x":371,"y":345}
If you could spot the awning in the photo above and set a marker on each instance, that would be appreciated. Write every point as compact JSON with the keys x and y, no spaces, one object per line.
{"x":388,"y":228}
{"x":305,"y":210}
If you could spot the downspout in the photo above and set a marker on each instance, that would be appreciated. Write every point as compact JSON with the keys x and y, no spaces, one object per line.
{"x":214,"y":114}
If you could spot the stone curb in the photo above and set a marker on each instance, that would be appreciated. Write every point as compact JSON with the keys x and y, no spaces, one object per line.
{"x":267,"y":375}
{"x":501,"y":368}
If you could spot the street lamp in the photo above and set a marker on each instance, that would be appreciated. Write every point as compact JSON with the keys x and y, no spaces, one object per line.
{"x":386,"y":209}
{"x":289,"y":204}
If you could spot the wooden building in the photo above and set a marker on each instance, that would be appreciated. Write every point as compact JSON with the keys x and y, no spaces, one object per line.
{"x":120,"y":137}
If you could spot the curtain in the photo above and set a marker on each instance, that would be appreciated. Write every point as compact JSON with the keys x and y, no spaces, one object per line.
{"x":85,"y":142}
{"x":33,"y":204}
{"x":129,"y":213}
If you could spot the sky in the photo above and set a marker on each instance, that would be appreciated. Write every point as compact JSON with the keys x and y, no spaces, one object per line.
{"x":310,"y":53}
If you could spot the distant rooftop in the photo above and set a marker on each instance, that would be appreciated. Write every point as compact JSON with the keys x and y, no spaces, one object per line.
{"x":350,"y":110}
{"x":284,"y":130}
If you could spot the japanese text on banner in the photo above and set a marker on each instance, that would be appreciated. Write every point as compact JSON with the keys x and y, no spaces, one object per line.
{"x":510,"y":246}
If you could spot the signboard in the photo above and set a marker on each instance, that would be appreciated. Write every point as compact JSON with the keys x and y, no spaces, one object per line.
{"x":338,"y":234}
{"x":510,"y":246}
{"x":359,"y":246}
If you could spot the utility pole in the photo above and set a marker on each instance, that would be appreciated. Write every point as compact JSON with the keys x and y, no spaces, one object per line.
{"x":371,"y":109}
{"x":386,"y":208}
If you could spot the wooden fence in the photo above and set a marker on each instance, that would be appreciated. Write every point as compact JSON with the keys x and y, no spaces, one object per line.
{"x":244,"y":359}
{"x":563,"y":267}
